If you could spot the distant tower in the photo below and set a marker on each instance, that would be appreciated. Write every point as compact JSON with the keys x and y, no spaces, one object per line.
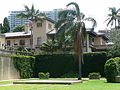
{"x":52,"y":14}
{"x":49,"y":14}
{"x":56,"y":12}
{"x":16,"y":21}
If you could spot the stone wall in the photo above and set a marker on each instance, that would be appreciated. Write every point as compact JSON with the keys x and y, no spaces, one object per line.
{"x":7,"y":69}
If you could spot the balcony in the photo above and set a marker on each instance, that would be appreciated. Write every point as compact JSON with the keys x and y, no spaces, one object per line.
{"x":102,"y":47}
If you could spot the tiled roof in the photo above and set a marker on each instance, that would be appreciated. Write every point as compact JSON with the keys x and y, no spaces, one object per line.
{"x":17,"y":34}
{"x":53,"y":31}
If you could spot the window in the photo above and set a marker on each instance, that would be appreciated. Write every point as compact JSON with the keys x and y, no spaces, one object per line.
{"x":39,"y":24}
{"x":15,"y":42}
{"x":22,"y":42}
{"x":31,"y":41}
{"x":8,"y":43}
{"x":49,"y":26}
{"x":38,"y":40}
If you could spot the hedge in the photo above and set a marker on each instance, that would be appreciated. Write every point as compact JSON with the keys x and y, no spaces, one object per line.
{"x":55,"y":64}
{"x":94,"y":62}
{"x":112,"y":69}
{"x":58,"y":65}
{"x":24,"y":64}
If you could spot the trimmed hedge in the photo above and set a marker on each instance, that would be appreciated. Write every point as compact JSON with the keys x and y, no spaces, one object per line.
{"x":94,"y":62}
{"x":24,"y":64}
{"x":112,"y":69}
{"x":58,"y":65}
{"x":55,"y":64}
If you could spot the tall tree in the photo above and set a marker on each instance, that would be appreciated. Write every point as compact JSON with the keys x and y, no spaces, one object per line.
{"x":113,"y":17}
{"x":70,"y":22}
{"x":63,"y":37}
{"x":33,"y":15}
{"x":1,"y":28}
{"x":6,"y":26}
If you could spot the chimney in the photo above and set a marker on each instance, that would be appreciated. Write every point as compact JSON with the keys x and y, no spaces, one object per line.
{"x":27,"y":27}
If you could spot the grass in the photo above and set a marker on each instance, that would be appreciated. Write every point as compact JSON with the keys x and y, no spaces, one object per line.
{"x":86,"y":85}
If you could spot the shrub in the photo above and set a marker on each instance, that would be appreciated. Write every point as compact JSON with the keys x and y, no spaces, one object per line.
{"x":94,"y":75}
{"x":112,"y":68}
{"x":114,"y":52}
{"x":24,"y":64}
{"x":42,"y":75}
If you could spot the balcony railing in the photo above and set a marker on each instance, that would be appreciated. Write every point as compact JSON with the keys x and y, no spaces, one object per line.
{"x":103,"y":46}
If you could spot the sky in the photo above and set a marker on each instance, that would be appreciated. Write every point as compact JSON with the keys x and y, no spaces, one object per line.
{"x":98,"y":9}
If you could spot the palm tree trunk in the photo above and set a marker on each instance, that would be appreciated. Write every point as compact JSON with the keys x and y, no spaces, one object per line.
{"x":31,"y":37}
{"x":80,"y":54}
{"x":115,"y":24}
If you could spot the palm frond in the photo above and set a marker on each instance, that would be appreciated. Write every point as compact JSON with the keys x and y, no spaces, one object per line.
{"x":77,"y":8}
{"x":84,"y":33}
{"x":93,"y":21}
{"x":21,"y":16}
{"x":65,"y":13}
{"x":26,"y":8}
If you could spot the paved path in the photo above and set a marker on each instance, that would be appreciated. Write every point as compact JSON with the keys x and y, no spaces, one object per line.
{"x":48,"y":82}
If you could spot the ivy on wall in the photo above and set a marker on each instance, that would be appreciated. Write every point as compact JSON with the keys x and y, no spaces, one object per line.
{"x":24,"y":64}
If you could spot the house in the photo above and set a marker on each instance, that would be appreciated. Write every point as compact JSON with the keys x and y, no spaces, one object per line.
{"x":16,"y":39}
{"x":101,"y":43}
{"x":39,"y":32}
{"x":42,"y":31}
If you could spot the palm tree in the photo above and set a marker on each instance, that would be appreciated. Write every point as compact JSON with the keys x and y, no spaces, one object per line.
{"x":63,"y":37}
{"x":70,"y":22}
{"x":94,"y":23}
{"x":33,"y":15}
{"x":113,"y":17}
{"x":49,"y":46}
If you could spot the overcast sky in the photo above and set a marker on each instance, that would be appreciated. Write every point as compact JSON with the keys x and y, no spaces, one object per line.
{"x":98,"y":9}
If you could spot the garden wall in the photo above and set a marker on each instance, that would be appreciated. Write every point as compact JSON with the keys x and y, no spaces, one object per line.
{"x":7,"y":69}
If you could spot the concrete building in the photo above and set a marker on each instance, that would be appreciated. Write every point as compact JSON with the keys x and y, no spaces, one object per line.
{"x":56,"y":12}
{"x":13,"y":21}
{"x":53,"y":14}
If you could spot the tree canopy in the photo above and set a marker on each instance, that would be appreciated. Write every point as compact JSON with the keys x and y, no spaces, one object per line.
{"x":6,"y":26}
{"x":19,"y":28}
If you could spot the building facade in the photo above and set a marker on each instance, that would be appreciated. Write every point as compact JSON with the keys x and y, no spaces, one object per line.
{"x":43,"y":30}
{"x":39,"y":35}
{"x":13,"y":21}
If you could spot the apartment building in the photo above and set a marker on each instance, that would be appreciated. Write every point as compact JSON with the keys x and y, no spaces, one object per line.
{"x":13,"y":21}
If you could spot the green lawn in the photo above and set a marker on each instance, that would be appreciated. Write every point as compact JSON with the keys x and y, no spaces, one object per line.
{"x":86,"y":85}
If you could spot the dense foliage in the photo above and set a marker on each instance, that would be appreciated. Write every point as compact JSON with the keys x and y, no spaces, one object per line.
{"x":114,"y":52}
{"x":6,"y":26}
{"x":60,"y":65}
{"x":24,"y":64}
{"x":94,"y":62}
{"x":19,"y":28}
{"x":112,"y":69}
